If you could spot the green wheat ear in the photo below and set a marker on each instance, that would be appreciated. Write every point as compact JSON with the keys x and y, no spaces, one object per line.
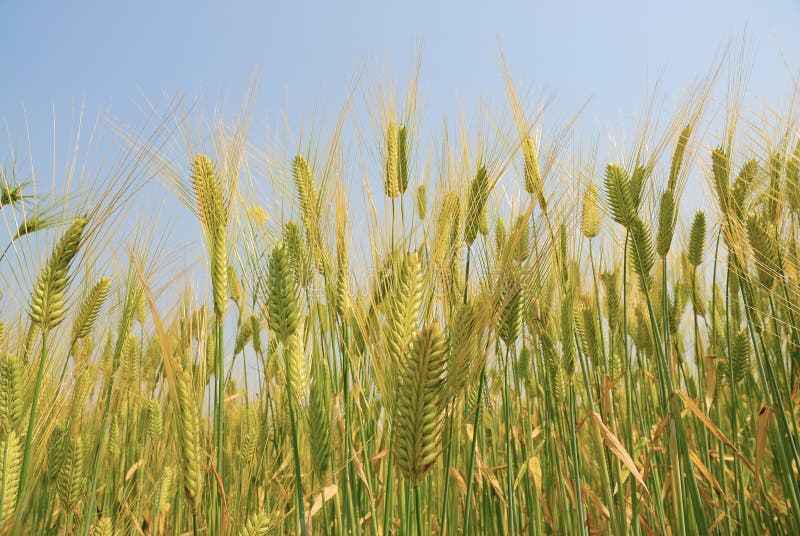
{"x":320,"y":416}
{"x":520,"y":238}
{"x":306,"y":188}
{"x":697,"y":239}
{"x":403,"y":308}
{"x":463,"y":348}
{"x":590,"y":215}
{"x":12,"y":394}
{"x":283,"y":313}
{"x":342,"y":295}
{"x":114,"y":438}
{"x":555,"y":372}
{"x":103,"y":527}
{"x":214,"y":218}
{"x":243,"y":337}
{"x":741,"y":186}
{"x":666,"y":223}
{"x":759,"y":234}
{"x":567,"y":318}
{"x":189,"y":436}
{"x":71,"y":477}
{"x":511,"y":312}
{"x":612,"y":300}
{"x":47,"y":306}
{"x":500,"y":235}
{"x":524,"y":364}
{"x":720,"y":167}
{"x":587,"y":329}
{"x":90,"y":308}
{"x":255,"y":323}
{"x":677,"y":156}
{"x":294,"y":354}
{"x":297,"y":250}
{"x":619,"y":195}
{"x":251,"y":434}
{"x":10,"y":195}
{"x":737,"y":365}
{"x":165,"y":490}
{"x":56,"y":448}
{"x":207,"y":191}
{"x":10,"y":467}
{"x":37,"y":221}
{"x":258,"y":524}
{"x":774,"y":194}
{"x":636,"y":184}
{"x":235,"y":286}
{"x":641,"y":251}
{"x":419,"y":416}
{"x":155,"y":420}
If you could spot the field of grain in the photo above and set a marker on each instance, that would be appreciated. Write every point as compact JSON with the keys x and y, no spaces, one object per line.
{"x":514,"y":335}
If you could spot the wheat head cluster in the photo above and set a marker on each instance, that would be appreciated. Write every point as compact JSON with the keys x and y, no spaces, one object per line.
{"x":545,"y":341}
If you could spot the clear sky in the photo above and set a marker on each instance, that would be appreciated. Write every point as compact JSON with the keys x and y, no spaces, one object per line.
{"x":57,"y":53}
{"x":114,"y":55}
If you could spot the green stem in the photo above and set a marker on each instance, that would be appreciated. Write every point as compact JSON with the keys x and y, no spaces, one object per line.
{"x":31,"y":425}
{"x":471,"y":465}
{"x":296,"y":453}
{"x":419,"y":510}
{"x":219,"y":402}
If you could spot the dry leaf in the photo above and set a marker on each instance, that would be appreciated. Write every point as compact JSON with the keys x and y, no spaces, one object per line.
{"x":692,"y":406}
{"x":762,"y":426}
{"x":619,"y":450}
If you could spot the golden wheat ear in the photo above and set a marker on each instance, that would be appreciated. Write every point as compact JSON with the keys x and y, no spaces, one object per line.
{"x":476,"y":207}
{"x":532,"y":174}
{"x":590,"y":214}
{"x":420,"y":404}
{"x":421,"y":202}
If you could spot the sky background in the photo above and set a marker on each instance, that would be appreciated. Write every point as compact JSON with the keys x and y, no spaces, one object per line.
{"x":114,"y":57}
{"x":60,"y":53}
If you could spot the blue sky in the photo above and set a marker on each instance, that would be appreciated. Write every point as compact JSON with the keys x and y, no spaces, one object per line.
{"x":114,"y":56}
{"x":109,"y":53}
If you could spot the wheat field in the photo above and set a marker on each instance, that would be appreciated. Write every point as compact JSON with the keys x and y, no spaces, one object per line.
{"x":515,"y":335}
